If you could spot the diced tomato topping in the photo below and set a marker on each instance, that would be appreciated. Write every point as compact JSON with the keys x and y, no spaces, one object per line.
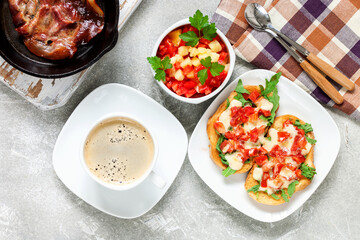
{"x":290,"y":166}
{"x":202,"y":45}
{"x":182,"y":43}
{"x":268,"y":165}
{"x":191,"y":28}
{"x":264,"y":179}
{"x":276,"y":151}
{"x":177,"y":65}
{"x":261,"y":129}
{"x":253,"y":152}
{"x":260,"y":160}
{"x":254,"y":135}
{"x":219,"y":126}
{"x":286,"y":123}
{"x":282,"y":136}
{"x":171,"y":49}
{"x":237,"y":116}
{"x":301,"y":132}
{"x":262,"y":151}
{"x":238,"y":130}
{"x":298,"y":173}
{"x":277,"y":169}
{"x":254,"y":95}
{"x":238,"y":146}
{"x":249,"y":110}
{"x":246,"y":96}
{"x":244,"y":153}
{"x":299,"y":143}
{"x":253,"y":117}
{"x":227,"y":146}
{"x":266,"y":113}
{"x":299,"y":158}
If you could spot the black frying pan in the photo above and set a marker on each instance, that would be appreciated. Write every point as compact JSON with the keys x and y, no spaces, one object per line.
{"x":13,"y":50}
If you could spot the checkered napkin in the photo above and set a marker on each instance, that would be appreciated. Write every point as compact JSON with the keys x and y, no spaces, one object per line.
{"x":328,"y":28}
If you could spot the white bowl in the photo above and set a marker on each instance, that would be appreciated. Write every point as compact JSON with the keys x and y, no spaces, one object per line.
{"x":206,"y":97}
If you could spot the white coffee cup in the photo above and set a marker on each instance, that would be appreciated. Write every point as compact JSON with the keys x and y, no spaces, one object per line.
{"x":157,"y":180}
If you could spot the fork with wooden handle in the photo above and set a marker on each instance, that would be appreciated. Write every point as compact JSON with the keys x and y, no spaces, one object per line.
{"x":315,"y":75}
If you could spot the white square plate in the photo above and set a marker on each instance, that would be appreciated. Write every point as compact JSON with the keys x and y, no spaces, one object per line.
{"x":119,"y":98}
{"x":293,"y":100}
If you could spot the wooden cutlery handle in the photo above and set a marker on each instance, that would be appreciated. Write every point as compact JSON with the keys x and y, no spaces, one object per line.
{"x":322,"y":82}
{"x":333,"y":73}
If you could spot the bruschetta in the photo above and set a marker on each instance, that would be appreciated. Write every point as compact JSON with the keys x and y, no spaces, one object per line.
{"x":238,"y":127}
{"x":289,"y":165}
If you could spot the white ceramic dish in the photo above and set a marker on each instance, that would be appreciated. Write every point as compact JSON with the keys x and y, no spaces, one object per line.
{"x":293,"y":100}
{"x":102,"y":101}
{"x":204,"y":98}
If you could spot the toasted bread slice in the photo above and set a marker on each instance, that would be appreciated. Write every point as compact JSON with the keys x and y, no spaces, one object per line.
{"x":263,"y":197}
{"x":214,"y":137}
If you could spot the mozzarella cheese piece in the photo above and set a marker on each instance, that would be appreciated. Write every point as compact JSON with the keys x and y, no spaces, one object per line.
{"x":257,"y":174}
{"x":235,"y":160}
{"x":264,"y":104}
{"x":225,"y":116}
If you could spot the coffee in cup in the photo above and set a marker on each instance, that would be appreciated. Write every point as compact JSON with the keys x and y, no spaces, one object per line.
{"x":119,"y":151}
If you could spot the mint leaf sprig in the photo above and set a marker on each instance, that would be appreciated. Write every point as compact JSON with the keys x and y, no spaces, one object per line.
{"x":201,"y":23}
{"x":160,"y":66}
{"x":215,"y":69}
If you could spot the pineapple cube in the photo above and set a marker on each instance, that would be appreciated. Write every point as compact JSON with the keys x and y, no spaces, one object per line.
{"x":176,"y":58}
{"x":183,"y":51}
{"x":193,"y":52}
{"x":172,"y":72}
{"x":186,"y":62}
{"x":202,"y":50}
{"x":175,"y":37}
{"x":227,"y":66}
{"x":215,"y":46}
{"x":203,"y":56}
{"x":195,"y":61}
{"x":214,"y":57}
{"x":179,"y":75}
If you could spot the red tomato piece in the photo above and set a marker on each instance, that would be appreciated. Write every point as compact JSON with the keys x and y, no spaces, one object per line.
{"x":188,"y":69}
{"x":262,"y":151}
{"x":282,"y":136}
{"x":286,"y":123}
{"x":264,"y":179}
{"x":261,"y":129}
{"x":190,"y":84}
{"x":298,"y":173}
{"x":230,"y":135}
{"x":253,"y":152}
{"x":253,"y":117}
{"x":254,"y":135}
{"x":223,"y":57}
{"x":202,"y":45}
{"x":219,"y":126}
{"x":249,"y":110}
{"x":204,"y":41}
{"x":260,"y":160}
{"x":254,"y":95}
{"x":182,"y":43}
{"x":276,"y":151}
{"x":227,"y":146}
{"x":190,"y":93}
{"x":299,"y":159}
{"x":238,"y":130}
{"x":277,"y":169}
{"x":266,"y":113}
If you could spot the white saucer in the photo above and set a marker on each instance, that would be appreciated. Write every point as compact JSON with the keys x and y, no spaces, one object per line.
{"x":103,"y":100}
{"x":293,"y":100}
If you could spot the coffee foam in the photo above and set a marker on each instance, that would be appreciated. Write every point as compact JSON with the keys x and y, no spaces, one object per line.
{"x":119,"y":151}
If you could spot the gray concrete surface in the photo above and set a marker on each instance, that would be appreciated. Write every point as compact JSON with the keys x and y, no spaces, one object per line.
{"x":34,"y":204}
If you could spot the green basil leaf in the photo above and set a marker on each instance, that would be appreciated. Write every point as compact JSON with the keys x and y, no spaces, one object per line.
{"x":216,"y":68}
{"x":291,"y":188}
{"x":310,"y":140}
{"x":209,"y":32}
{"x":202,"y":75}
{"x":275,"y":196}
{"x":228,"y":171}
{"x":160,"y":75}
{"x":284,"y":196}
{"x":199,"y":21}
{"x":227,"y":103}
{"x":271,"y":85}
{"x":307,"y":171}
{"x":254,"y":188}
{"x":190,"y":38}
{"x":206,"y":62}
